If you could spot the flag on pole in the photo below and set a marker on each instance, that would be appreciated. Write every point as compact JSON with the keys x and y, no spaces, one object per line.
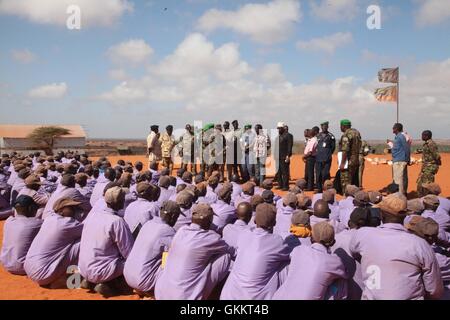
{"x":386,"y":94}
{"x":389,"y":75}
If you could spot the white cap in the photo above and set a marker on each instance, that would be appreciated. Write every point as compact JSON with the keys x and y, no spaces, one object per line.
{"x":281,"y":125}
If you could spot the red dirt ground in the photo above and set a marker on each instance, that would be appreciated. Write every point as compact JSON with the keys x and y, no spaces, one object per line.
{"x":375,"y":177}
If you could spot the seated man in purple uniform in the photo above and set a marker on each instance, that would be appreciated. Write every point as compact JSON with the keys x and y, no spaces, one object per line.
{"x":232,"y":232}
{"x":56,"y":246}
{"x":144,"y":208}
{"x":185,"y":200}
{"x":395,"y":264}
{"x":143,"y":265}
{"x":102,"y":181}
{"x":314,"y":273}
{"x":166,"y":193}
{"x":284,"y":215}
{"x":197,"y":262}
{"x":18,"y":234}
{"x":300,"y":230}
{"x":106,"y":243}
{"x":248,"y":190}
{"x":260,"y":265}
{"x":224,"y":212}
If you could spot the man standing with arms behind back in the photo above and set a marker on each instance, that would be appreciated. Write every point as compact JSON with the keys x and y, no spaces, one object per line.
{"x":284,"y":156}
{"x":349,"y":145}
{"x":325,"y":149}
{"x":401,"y":154}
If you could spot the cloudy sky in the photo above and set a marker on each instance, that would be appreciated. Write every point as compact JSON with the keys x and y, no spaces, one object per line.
{"x":135,"y":63}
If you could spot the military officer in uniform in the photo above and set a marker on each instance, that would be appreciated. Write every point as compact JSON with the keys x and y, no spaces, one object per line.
{"x":167,"y":142}
{"x":349,"y":145}
{"x":431,"y":160}
{"x":186,"y":148}
{"x":364,"y":152}
{"x":325,"y":149}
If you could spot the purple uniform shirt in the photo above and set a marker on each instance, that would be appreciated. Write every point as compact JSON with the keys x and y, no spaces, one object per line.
{"x":441,"y":217}
{"x":223,"y":214}
{"x":165,"y":195}
{"x":55,"y":247}
{"x":283,"y":225}
{"x":18,"y":234}
{"x":211,"y":196}
{"x":311,"y":274}
{"x":232,"y":232}
{"x":139,"y":212}
{"x":66,"y":192}
{"x":259,"y":268}
{"x":105,"y":244}
{"x":184,"y":219}
{"x":342,"y":249}
{"x":143,"y":265}
{"x":99,"y":187}
{"x":190,"y":264}
{"x":242,"y":198}
{"x":395,"y":264}
{"x":237,"y":189}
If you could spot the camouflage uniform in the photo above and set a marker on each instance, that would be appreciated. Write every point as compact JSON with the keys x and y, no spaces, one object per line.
{"x":363,"y":152}
{"x":350,"y":144}
{"x":430,"y":166}
{"x":167,"y":144}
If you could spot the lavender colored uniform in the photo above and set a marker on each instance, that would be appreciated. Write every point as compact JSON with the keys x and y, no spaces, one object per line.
{"x":143,"y":265}
{"x":54,"y":249}
{"x":139,"y":212}
{"x":237,"y":189}
{"x":283,"y":225}
{"x":184,"y":219}
{"x":399,"y":265}
{"x":232,"y":232}
{"x":99,"y":187}
{"x":198,"y":260}
{"x":66,"y":192}
{"x":242,"y":198}
{"x":165,"y":195}
{"x":259,"y":268}
{"x":342,"y":249}
{"x":105,"y":244}
{"x":224,"y":214}
{"x":18,"y":234}
{"x":313,"y":273}
{"x":211,"y":196}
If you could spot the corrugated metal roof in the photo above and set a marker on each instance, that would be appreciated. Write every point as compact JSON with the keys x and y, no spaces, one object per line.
{"x":22,"y":131}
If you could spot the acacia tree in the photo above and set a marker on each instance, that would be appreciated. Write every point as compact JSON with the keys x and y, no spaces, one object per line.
{"x":45,"y":137}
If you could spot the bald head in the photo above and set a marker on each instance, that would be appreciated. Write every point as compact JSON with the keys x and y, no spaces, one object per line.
{"x":321,"y":209}
{"x":244,"y":211}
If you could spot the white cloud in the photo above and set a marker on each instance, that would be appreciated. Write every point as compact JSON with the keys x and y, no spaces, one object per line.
{"x":199,"y":91}
{"x":24,"y":56}
{"x":334,"y":10}
{"x":118,"y":74}
{"x":53,"y":12}
{"x":197,"y":57}
{"x":264,"y":23}
{"x":134,"y":51}
{"x":327,"y":44}
{"x":49,"y":91}
{"x":432,"y":12}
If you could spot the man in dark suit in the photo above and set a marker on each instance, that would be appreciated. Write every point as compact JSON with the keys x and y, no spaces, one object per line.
{"x":285,"y":143}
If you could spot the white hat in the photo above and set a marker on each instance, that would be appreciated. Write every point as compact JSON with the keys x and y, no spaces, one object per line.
{"x":281,"y":125}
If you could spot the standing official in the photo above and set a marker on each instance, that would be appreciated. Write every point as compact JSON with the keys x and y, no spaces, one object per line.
{"x":349,"y":145}
{"x":401,"y":156}
{"x":325,"y":148}
{"x":153,"y":145}
{"x":186,"y":147}
{"x":284,"y":157}
{"x":431,"y":161}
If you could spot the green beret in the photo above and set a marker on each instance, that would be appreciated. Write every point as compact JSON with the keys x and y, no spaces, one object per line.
{"x":346,"y":122}
{"x":325,"y":123}
{"x":208,"y":126}
{"x":248,"y":126}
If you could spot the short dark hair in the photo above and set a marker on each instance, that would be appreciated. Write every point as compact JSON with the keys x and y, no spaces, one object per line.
{"x":398,"y":126}
{"x":428,"y":133}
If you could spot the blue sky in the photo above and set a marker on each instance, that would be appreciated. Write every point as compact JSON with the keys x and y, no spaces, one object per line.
{"x":235,"y":59}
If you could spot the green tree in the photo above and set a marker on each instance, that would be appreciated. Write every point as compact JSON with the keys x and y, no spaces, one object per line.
{"x":45,"y":137}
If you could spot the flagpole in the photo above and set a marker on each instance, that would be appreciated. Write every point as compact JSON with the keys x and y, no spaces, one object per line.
{"x":398,"y":95}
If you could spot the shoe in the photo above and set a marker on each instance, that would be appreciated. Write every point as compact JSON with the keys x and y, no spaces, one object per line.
{"x":87,"y":285}
{"x":105,"y":290}
{"x":285,"y":189}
